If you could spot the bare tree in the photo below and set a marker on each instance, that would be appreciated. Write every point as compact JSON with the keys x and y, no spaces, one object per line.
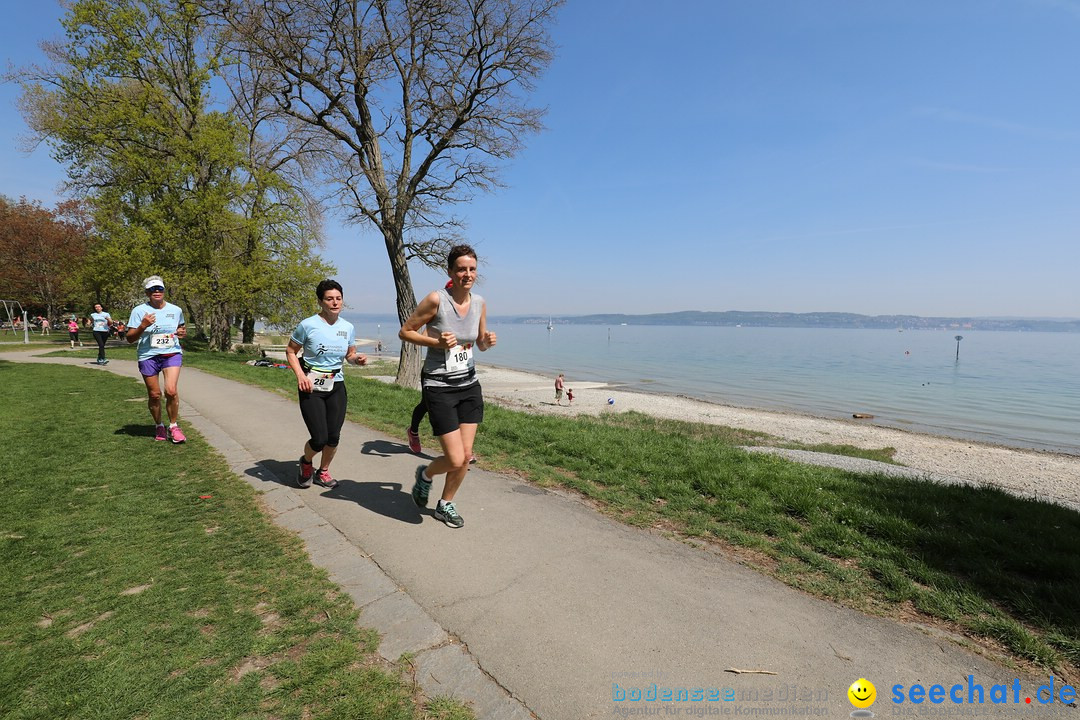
{"x":413,"y":103}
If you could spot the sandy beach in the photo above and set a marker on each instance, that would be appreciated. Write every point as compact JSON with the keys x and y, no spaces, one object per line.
{"x":1048,"y":476}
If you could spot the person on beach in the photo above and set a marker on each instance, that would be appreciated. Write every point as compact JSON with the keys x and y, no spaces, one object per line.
{"x":73,"y":332}
{"x":570,"y":396}
{"x":558,"y":389}
{"x":101,"y":320}
{"x":326,"y":342}
{"x":456,"y":321}
{"x":158,"y":327}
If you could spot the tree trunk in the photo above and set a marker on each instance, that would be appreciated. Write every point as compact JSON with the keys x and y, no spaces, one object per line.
{"x":408,"y":373}
{"x":191,"y":318}
{"x":247,"y":329}
{"x":218,"y":328}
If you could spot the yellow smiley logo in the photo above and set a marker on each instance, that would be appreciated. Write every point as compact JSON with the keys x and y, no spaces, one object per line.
{"x":862,"y":693}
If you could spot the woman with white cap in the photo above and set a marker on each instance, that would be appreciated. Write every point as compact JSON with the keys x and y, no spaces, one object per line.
{"x":158,"y":327}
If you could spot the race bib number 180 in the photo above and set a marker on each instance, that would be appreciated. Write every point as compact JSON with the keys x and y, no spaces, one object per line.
{"x":459,"y":358}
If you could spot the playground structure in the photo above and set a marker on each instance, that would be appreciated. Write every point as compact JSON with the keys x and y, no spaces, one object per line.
{"x":13,"y":310}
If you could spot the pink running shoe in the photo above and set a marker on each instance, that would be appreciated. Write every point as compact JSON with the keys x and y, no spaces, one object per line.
{"x":176,"y":436}
{"x":159,"y":434}
{"x":322,"y":477}
{"x":414,"y":441}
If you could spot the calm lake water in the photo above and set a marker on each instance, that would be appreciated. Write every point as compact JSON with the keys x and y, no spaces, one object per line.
{"x":1014,"y":388}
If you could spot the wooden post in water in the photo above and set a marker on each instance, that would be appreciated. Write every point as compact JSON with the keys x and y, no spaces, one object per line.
{"x":958,"y":339}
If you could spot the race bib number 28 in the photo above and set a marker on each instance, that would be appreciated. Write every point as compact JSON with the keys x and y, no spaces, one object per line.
{"x":321,"y":382}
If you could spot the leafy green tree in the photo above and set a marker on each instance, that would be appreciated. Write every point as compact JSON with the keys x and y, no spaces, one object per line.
{"x":127,"y":107}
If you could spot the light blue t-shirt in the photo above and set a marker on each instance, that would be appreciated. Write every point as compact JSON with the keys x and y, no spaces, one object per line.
{"x":325,"y":345}
{"x":101,"y":321}
{"x":159,"y":338}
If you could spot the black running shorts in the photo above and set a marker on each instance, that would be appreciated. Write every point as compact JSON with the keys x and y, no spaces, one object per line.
{"x":449,"y":407}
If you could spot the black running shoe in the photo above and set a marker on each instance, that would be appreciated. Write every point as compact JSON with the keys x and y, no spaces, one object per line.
{"x":421,"y":488}
{"x":449,"y":515}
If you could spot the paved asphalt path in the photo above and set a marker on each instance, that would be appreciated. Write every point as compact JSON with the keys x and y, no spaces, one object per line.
{"x":542,"y":607}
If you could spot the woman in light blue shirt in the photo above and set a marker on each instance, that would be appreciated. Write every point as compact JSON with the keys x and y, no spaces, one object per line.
{"x":158,"y":327}
{"x":326,"y":342}
{"x":101,"y":321}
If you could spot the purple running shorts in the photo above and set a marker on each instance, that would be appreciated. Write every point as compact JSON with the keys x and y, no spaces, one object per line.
{"x":154,"y":365}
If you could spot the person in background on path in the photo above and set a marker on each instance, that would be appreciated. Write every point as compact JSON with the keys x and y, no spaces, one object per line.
{"x":46,"y":326}
{"x":101,"y":320}
{"x":456,"y":321}
{"x":158,"y":327}
{"x":570,"y":396}
{"x":558,"y":389}
{"x":413,"y":432}
{"x":73,"y":332}
{"x":327,"y":342}
{"x":418,"y":413}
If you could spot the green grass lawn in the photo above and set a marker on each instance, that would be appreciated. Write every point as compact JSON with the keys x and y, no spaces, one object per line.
{"x":140,"y":579}
{"x":976,"y":560}
{"x":12,"y":343}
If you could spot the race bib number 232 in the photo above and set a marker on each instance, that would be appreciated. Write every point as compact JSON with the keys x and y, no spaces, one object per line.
{"x":162,"y":340}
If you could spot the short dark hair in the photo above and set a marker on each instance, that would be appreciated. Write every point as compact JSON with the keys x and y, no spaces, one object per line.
{"x":325,"y":285}
{"x":459,"y":251}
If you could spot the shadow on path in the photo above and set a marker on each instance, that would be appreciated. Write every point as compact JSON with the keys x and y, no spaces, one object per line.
{"x":386,"y":448}
{"x":274,"y":471}
{"x":386,"y":498}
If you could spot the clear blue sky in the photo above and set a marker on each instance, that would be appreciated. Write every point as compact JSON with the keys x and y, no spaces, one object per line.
{"x":894,"y":156}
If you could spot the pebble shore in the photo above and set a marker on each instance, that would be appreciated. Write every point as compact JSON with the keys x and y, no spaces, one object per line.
{"x":1053,"y":477}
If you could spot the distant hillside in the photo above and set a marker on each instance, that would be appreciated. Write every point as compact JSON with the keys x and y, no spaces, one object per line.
{"x":733,"y":318}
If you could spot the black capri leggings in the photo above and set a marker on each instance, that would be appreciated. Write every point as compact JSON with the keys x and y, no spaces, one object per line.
{"x":418,"y":414}
{"x":101,"y":336}
{"x":324,"y":414}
